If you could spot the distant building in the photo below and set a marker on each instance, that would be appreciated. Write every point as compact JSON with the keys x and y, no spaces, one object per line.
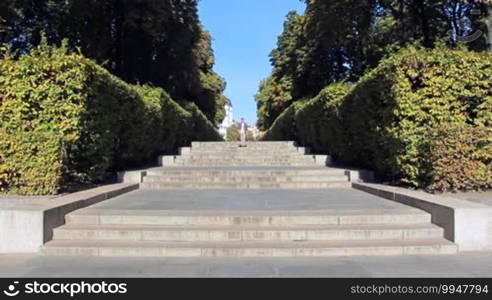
{"x":228,"y":120}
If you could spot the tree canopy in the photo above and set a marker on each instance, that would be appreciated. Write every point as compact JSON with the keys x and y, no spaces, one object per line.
{"x":160,"y":43}
{"x":339,"y":41}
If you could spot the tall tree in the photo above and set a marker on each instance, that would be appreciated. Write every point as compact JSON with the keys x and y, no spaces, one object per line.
{"x":341,"y":40}
{"x":339,"y":32}
{"x":210,"y":88}
{"x":429,"y":21}
{"x":277,"y":92}
{"x":488,"y":22}
{"x":141,"y":41}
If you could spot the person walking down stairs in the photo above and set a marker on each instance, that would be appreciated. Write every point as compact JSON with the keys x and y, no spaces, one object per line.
{"x":243,"y":130}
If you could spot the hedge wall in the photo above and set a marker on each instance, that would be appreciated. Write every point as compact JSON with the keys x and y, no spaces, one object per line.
{"x":284,"y":128}
{"x":388,"y":120}
{"x":459,"y":158}
{"x":318,"y":123}
{"x":65,"y":120}
{"x":315,"y":123}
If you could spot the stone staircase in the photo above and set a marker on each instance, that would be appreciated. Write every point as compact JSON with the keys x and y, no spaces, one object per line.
{"x":249,"y":234}
{"x":256,"y":154}
{"x":265,"y":167}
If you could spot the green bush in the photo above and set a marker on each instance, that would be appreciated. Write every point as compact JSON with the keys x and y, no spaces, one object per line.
{"x":460,"y":158}
{"x":199,"y":128}
{"x":388,"y":114}
{"x":318,"y":123}
{"x":385,"y":121}
{"x":65,"y":120}
{"x":284,"y":127}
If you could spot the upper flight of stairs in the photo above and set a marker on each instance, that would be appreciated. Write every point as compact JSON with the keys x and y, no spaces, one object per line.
{"x":255,"y":233}
{"x":260,"y":165}
{"x":255,"y":154}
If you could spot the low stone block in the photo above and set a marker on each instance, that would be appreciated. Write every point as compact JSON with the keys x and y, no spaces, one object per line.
{"x":467,"y":224}
{"x":167,"y":160}
{"x":20,"y":231}
{"x":360,"y":176}
{"x":323,"y":160}
{"x":185,"y":151}
{"x":24,"y":228}
{"x":304,"y":150}
{"x":131,"y":176}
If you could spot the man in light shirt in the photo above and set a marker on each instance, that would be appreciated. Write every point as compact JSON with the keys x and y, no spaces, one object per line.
{"x":243,"y":129}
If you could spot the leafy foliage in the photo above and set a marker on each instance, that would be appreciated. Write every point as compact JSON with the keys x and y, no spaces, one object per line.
{"x":389,"y":112}
{"x":277,"y":92}
{"x":337,"y":41}
{"x":284,"y":127}
{"x":318,"y":122}
{"x":209,"y":91}
{"x":160,"y":43}
{"x":65,"y":120}
{"x":234,"y":133}
{"x":384,"y":121}
{"x":460,"y":158}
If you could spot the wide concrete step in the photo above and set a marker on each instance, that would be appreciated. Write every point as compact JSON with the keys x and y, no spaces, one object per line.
{"x":242,"y":164}
{"x":266,"y":145}
{"x":256,"y":146}
{"x":248,"y":249}
{"x":241,"y":233}
{"x":246,"y":157}
{"x":185,"y":165}
{"x":244,"y":172}
{"x":248,"y":149}
{"x":232,"y":160}
{"x":244,"y":185}
{"x":243,"y":179}
{"x":263,"y":218}
{"x":244,"y":151}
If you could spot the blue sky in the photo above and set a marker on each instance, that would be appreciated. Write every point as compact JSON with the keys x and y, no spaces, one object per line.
{"x":244,"y":32}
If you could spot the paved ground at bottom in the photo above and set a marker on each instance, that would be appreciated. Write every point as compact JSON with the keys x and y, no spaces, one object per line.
{"x":457,"y":266}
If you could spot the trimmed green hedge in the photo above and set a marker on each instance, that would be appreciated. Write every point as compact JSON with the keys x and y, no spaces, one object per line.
{"x":284,"y":128}
{"x":65,"y":120}
{"x":318,"y":122}
{"x":460,"y":158}
{"x":315,"y":123}
{"x":384,"y":122}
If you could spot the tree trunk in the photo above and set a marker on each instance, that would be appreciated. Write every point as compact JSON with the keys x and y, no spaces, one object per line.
{"x":422,"y":14}
{"x":489,"y":28}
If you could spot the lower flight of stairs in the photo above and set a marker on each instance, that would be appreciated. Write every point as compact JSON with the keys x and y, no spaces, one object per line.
{"x":248,"y":234}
